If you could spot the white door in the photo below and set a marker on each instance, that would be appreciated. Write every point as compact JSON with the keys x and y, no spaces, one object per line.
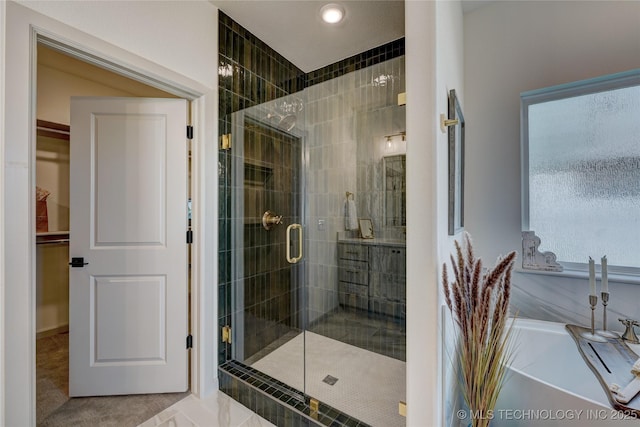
{"x":128,"y":219}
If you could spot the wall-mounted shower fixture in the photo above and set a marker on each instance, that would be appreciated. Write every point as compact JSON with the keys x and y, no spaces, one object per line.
{"x":269,"y":220}
{"x":284,"y":112}
{"x":286,"y":122}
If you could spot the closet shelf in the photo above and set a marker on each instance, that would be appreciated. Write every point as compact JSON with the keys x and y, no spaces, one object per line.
{"x":52,"y":237}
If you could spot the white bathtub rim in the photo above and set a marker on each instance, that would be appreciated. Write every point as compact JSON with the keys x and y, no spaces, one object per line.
{"x":555,"y":328}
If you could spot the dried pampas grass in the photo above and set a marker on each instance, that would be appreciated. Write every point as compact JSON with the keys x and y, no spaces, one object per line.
{"x":479,"y":304}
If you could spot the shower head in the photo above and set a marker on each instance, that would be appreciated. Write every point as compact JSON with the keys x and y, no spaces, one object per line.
{"x":287,"y":122}
{"x":284,"y":112}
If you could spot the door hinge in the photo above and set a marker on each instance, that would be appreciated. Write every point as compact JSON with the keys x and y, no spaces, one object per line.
{"x":314,"y":406}
{"x":189,"y":132}
{"x":189,"y":236}
{"x":402,"y":408}
{"x":189,"y":341}
{"x":225,"y":141}
{"x":226,"y":334}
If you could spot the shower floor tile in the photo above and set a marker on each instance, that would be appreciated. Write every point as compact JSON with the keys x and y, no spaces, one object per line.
{"x":370,"y":385}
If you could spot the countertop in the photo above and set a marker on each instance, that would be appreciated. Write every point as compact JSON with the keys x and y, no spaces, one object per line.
{"x":374,"y":242}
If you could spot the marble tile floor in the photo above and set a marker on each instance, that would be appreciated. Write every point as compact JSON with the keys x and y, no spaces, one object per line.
{"x":218,"y":410}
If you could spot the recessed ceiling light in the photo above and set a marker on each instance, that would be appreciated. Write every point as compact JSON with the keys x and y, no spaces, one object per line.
{"x":332,"y":13}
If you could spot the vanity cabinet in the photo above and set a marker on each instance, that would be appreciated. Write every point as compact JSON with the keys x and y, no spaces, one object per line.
{"x":387,"y":280}
{"x":353,"y":276}
{"x":372,"y":277}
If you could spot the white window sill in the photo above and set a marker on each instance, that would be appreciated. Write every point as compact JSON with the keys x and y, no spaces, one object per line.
{"x":582,"y":274}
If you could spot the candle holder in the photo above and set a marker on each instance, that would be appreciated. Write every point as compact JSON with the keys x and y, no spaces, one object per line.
{"x":592,"y":336}
{"x":604,"y":332}
{"x":593,"y":301}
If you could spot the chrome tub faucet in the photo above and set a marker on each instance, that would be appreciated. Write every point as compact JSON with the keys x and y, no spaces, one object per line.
{"x":629,"y":333}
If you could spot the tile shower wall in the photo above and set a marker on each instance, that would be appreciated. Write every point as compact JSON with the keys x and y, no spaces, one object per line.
{"x":251,"y":73}
{"x":347,"y":119}
{"x":269,"y":293}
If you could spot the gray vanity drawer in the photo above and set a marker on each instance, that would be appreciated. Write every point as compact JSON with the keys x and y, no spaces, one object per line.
{"x":354,"y":252}
{"x":355,"y":296}
{"x":351,"y":288}
{"x":354,"y":272}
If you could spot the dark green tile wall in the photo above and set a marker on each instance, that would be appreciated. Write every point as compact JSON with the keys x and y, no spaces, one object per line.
{"x":251,"y":73}
{"x":365,"y":59}
{"x":270,"y":290}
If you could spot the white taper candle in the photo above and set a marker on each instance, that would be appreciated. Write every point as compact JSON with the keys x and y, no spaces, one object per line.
{"x":605,"y":279}
{"x":592,"y":276}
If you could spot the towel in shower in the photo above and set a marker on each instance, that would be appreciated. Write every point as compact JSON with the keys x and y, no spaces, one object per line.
{"x":350,"y":215}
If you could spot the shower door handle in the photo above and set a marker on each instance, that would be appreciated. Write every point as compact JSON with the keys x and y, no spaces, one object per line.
{"x":299,"y":257}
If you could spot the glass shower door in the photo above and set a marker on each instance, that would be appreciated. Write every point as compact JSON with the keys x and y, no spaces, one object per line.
{"x":313,"y":304}
{"x":267,"y":294}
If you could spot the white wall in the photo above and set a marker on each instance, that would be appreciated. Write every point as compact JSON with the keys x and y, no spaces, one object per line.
{"x":178,"y":35}
{"x":449,"y":75}
{"x":515,"y":46}
{"x":3,"y":7}
{"x":423,"y":394}
{"x":177,"y":57}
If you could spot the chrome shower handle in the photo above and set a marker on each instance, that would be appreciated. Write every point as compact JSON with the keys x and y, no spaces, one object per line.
{"x":290,"y":259}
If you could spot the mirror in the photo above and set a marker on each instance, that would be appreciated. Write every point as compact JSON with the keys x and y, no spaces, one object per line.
{"x":395,"y":192}
{"x":456,"y":165}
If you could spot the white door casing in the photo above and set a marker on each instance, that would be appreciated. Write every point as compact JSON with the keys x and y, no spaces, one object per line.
{"x":128,"y":217}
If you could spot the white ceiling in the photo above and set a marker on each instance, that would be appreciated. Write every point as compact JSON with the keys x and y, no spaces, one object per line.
{"x":294,"y":28}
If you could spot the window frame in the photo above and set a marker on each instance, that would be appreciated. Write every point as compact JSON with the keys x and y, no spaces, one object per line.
{"x":583,"y":87}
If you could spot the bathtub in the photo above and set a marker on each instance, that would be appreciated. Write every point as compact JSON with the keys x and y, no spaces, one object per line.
{"x":549,"y":384}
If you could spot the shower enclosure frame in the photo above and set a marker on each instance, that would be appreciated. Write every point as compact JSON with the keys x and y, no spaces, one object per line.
{"x":298,"y":269}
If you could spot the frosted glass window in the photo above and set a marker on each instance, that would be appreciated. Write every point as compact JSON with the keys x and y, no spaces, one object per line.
{"x":582,"y":166}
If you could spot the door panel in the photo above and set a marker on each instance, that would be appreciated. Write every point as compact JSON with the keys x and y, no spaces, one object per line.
{"x":134,"y":339}
{"x":128,"y":218}
{"x":129,"y":204}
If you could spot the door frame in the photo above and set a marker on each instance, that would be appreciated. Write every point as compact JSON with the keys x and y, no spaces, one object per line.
{"x":18,"y":144}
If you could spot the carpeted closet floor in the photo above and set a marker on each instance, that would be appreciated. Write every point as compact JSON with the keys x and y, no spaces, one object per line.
{"x":55,"y":408}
